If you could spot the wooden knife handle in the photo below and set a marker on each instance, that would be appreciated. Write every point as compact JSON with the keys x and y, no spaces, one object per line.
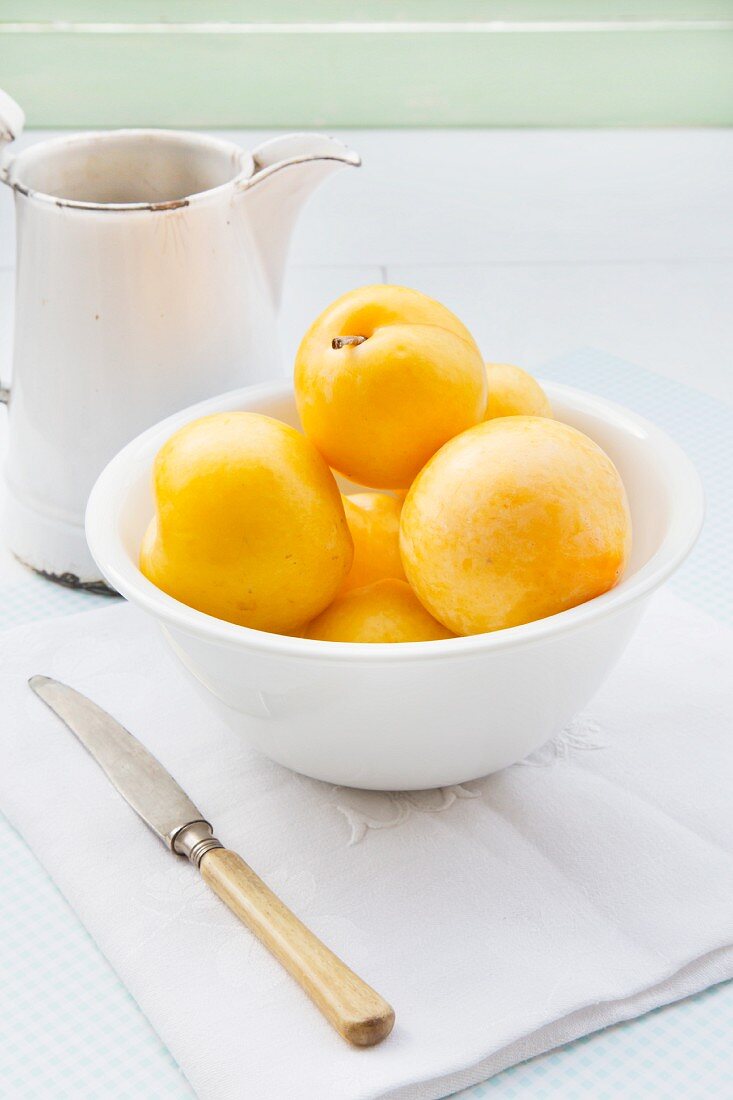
{"x":349,"y":1004}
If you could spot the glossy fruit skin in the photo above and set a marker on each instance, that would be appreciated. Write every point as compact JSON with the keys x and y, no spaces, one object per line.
{"x":386,"y":611}
{"x":249,"y":524}
{"x":379,"y":410}
{"x":516,"y":519}
{"x":374,"y":524}
{"x":514,"y":392}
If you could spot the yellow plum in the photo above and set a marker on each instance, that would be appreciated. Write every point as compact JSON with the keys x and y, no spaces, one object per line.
{"x":383,"y":378}
{"x":386,"y":611}
{"x":516,"y":519}
{"x":249,"y":524}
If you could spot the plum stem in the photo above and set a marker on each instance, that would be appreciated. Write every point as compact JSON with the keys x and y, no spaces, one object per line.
{"x":343,"y":341}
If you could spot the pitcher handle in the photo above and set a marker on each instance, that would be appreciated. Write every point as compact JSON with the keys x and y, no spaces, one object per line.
{"x":12,"y":121}
{"x":6,"y":162}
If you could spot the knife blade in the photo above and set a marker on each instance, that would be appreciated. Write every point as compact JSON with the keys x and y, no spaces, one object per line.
{"x":141,"y":779}
{"x":352,"y":1007}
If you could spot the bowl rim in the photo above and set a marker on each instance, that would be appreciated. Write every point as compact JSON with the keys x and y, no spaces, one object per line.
{"x":688,"y":507}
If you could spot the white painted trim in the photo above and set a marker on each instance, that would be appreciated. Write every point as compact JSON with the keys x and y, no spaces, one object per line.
{"x":488,"y":27}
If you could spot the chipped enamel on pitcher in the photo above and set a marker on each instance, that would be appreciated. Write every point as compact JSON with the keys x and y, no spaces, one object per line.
{"x":149,"y":271}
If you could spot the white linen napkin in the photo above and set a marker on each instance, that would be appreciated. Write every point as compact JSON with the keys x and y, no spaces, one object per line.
{"x":589,"y":884}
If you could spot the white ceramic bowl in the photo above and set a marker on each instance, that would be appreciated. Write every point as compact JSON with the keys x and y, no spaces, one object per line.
{"x":419,"y":714}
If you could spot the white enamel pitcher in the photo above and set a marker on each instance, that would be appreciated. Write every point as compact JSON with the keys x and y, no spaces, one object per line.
{"x":149,"y":268}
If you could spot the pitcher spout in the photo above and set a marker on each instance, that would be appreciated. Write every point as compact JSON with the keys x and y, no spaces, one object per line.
{"x":286,"y":172}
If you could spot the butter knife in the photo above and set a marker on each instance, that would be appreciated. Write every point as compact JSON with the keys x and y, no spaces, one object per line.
{"x":351,"y":1006}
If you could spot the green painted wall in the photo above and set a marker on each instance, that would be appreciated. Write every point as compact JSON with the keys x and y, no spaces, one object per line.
{"x":270,"y":63}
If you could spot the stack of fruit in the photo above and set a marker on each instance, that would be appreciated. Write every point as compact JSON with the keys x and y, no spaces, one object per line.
{"x":489,"y":513}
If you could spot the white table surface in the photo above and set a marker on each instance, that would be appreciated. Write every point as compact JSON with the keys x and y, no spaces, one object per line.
{"x":543,"y":242}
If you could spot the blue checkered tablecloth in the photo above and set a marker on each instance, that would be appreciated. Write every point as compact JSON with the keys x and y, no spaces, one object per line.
{"x":72,"y":1030}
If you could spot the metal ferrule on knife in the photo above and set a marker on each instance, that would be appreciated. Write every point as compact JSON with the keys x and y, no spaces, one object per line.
{"x":194,"y":841}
